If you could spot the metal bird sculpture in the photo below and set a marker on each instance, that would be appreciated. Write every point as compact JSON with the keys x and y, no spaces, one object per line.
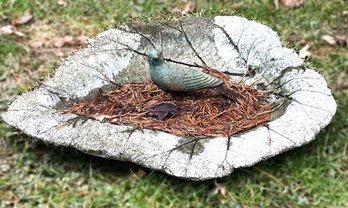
{"x":174,"y":80}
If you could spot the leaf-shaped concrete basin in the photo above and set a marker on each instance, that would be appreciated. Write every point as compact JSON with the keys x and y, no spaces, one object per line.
{"x":248,"y":51}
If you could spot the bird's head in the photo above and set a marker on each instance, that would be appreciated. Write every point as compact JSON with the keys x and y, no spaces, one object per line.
{"x":155,"y":57}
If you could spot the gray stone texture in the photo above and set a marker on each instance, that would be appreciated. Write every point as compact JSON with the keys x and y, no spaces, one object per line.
{"x":227,"y":43}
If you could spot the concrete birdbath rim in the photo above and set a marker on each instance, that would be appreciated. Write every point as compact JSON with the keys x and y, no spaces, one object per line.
{"x":226,"y":43}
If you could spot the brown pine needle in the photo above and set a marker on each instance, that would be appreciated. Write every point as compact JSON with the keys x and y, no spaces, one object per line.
{"x":204,"y":113}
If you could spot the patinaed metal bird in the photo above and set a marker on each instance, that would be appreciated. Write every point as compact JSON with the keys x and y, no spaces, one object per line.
{"x":183,"y":79}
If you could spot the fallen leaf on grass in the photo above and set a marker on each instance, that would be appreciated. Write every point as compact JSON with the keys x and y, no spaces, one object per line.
{"x":10,"y":30}
{"x":186,"y":8}
{"x":82,"y":40}
{"x":36,"y":44}
{"x":7,"y":30}
{"x":19,"y":33}
{"x":304,"y":51}
{"x":329,"y":39}
{"x":340,"y":40}
{"x":61,"y":3}
{"x":27,"y":16}
{"x":292,"y":3}
{"x":69,"y":40}
{"x":59,"y":42}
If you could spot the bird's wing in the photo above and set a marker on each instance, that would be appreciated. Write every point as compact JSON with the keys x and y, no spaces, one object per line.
{"x":194,"y":79}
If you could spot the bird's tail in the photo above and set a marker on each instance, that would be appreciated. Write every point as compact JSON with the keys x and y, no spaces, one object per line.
{"x":226,"y":92}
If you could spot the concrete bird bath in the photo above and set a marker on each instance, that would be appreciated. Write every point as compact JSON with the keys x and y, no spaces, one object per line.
{"x":249,"y":51}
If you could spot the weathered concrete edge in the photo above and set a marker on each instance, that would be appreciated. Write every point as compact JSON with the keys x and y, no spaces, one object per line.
{"x":227,"y":161}
{"x":224,"y":167}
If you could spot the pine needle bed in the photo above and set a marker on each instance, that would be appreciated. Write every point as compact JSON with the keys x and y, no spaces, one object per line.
{"x":201,"y":113}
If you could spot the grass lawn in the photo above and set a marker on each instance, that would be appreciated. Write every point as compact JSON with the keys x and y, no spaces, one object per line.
{"x":33,"y":174}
